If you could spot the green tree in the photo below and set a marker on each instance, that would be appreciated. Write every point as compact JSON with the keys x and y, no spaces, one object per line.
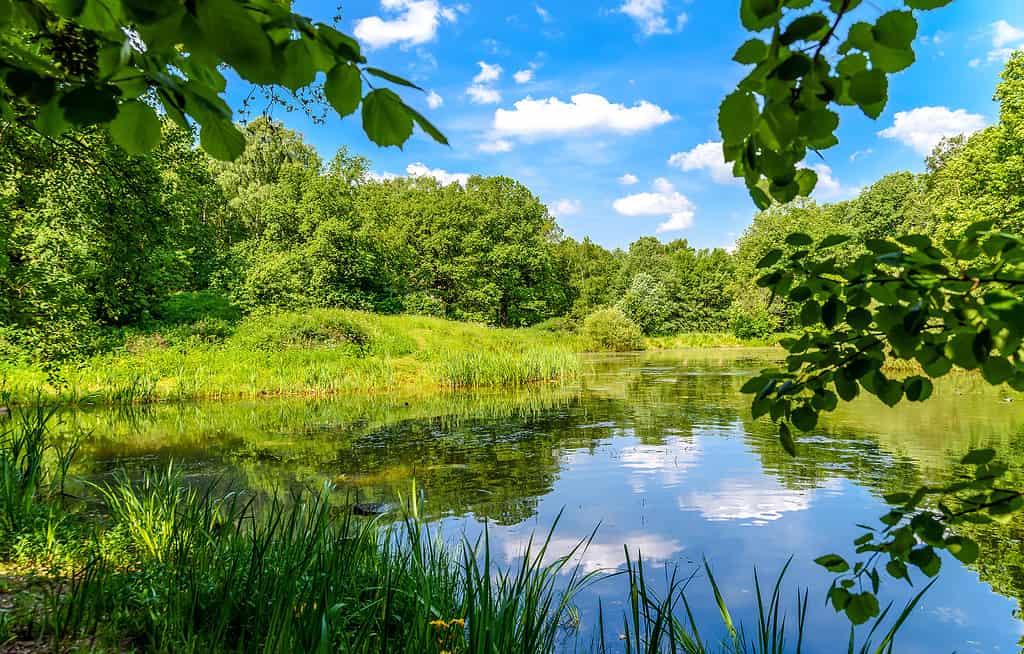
{"x":979,"y":178}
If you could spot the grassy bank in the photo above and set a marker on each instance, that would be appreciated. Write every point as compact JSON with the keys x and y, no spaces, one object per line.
{"x":158,"y":565}
{"x":707,"y":340}
{"x":319,"y":353}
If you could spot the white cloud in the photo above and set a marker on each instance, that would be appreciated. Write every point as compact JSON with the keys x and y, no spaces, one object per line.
{"x":974,"y":63}
{"x":742,"y":500}
{"x":523,"y":76}
{"x":380,"y":177}
{"x":923,"y":128}
{"x":479,"y":94}
{"x":1006,"y":39}
{"x":488,"y":73}
{"x":586,"y":112}
{"x":496,"y":146}
{"x":829,"y":189}
{"x":416,"y":22}
{"x":1004,"y":34}
{"x":665,"y":201}
{"x":544,"y":14}
{"x":628,"y":179}
{"x":662,"y":185}
{"x":706,"y":156}
{"x":860,"y":154}
{"x":434,"y":100}
{"x":420,"y":170}
{"x":650,"y":16}
{"x":598,"y":556}
{"x":565,"y":207}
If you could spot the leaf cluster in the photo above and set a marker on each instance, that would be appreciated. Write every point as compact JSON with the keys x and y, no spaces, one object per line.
{"x":787,"y":104}
{"x":68,"y":64}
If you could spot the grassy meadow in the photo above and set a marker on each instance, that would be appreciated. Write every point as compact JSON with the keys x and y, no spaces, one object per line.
{"x":316,"y":354}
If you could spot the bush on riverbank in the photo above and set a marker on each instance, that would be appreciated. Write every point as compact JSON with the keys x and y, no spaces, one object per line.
{"x":611,"y":330}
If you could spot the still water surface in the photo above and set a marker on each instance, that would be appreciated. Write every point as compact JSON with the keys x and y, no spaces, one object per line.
{"x":657,"y":449}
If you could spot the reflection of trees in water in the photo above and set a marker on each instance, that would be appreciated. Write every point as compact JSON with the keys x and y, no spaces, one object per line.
{"x":495,"y":456}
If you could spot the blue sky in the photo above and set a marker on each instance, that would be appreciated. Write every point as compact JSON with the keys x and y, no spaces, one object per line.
{"x":614,"y":98}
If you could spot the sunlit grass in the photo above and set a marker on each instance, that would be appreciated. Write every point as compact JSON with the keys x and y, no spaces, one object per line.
{"x":707,"y":340}
{"x":321,"y":353}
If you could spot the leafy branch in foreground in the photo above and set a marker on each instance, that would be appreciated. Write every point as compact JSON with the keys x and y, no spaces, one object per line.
{"x":940,"y":306}
{"x":906,"y":299}
{"x":68,"y":64}
{"x":919,"y":525}
{"x":784,"y":107}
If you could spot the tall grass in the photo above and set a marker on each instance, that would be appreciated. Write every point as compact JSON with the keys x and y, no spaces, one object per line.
{"x":708,"y":340}
{"x":508,"y":369}
{"x":320,"y":353}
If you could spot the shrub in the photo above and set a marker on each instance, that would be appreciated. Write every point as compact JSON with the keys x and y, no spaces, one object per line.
{"x":557,"y":325}
{"x":190,"y":308}
{"x":324,"y":329}
{"x":610,"y":330}
{"x":422,"y":303}
{"x":753,"y":322}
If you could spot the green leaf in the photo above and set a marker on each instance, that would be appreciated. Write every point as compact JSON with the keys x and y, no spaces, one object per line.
{"x":918,"y":389}
{"x":232,"y":33}
{"x":798,"y":239}
{"x":807,"y":27}
{"x":299,"y":67}
{"x":757,"y":15}
{"x":890,"y":60}
{"x":136,"y":128}
{"x":752,"y":52}
{"x":926,"y":560}
{"x":50,"y":120}
{"x":833,"y":563}
{"x":89,"y":105}
{"x":896,"y":30}
{"x":344,"y":89}
{"x":427,"y":126}
{"x":770,"y":259}
{"x":870,"y":90}
{"x":221,"y":139}
{"x":861,"y":36}
{"x":862,"y":607}
{"x":927,"y":4}
{"x":786,"y":438}
{"x":394,"y":79}
{"x":978,"y":457}
{"x":737,"y":116}
{"x":964,"y":549}
{"x":896,"y":569}
{"x":386,"y":119}
{"x":997,"y":370}
{"x":818,"y":123}
{"x":805,"y":418}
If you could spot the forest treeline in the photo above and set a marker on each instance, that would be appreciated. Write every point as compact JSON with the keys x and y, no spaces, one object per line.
{"x":94,"y":239}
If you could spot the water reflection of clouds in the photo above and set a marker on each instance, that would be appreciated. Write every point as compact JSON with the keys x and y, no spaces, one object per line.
{"x":757,"y":500}
{"x":654,"y":548}
{"x":661,"y":465}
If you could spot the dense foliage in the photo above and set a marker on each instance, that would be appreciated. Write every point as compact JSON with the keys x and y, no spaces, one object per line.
{"x":941,"y":303}
{"x":75,"y":63}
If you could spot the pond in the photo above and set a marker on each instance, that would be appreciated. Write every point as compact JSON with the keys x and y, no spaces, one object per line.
{"x":658,"y":451}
